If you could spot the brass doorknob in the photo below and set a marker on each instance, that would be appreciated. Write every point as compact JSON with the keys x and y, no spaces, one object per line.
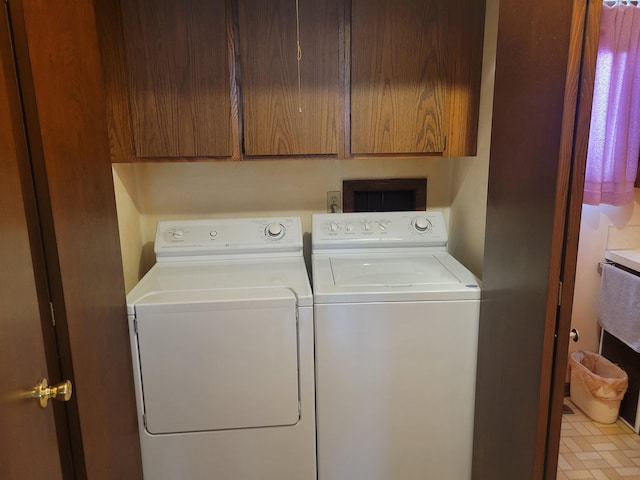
{"x":43,"y":392}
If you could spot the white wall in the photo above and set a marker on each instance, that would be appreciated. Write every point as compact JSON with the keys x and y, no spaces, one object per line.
{"x":148,"y":192}
{"x":129,"y":223}
{"x":471,"y":175}
{"x":594,"y":226}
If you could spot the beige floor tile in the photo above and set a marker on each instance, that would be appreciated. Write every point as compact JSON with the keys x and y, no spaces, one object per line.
{"x":572,"y":445}
{"x":612,"y":474}
{"x":578,"y":474}
{"x":629,"y":472}
{"x":582,"y":456}
{"x":585,"y":444}
{"x":563,"y":464}
{"x":615,"y":429}
{"x":633,"y":440}
{"x":604,"y":447}
{"x":592,"y":450}
{"x":598,"y":438}
{"x":595,"y":464}
{"x":586,"y":428}
{"x":623,"y":459}
{"x":598,"y":475}
{"x":574,"y":462}
{"x":618,"y":441}
{"x":611,"y":459}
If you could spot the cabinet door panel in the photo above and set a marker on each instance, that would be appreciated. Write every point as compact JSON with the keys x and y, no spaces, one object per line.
{"x":282,"y":116}
{"x":178,"y":77}
{"x":398,"y":77}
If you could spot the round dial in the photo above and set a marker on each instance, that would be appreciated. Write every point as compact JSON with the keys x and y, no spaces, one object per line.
{"x":333,"y":226}
{"x":274,"y":230}
{"x":422,"y":224}
{"x":178,"y":234}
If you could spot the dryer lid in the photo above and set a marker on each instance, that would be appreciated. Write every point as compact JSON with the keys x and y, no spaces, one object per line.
{"x":224,"y":275}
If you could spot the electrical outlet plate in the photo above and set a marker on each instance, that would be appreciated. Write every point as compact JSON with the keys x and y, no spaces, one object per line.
{"x":334,"y":202}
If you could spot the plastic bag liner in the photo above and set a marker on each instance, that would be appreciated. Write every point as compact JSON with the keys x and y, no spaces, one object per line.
{"x":599,"y":376}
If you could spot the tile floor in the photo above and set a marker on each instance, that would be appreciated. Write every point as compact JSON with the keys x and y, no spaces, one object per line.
{"x":592,"y":450}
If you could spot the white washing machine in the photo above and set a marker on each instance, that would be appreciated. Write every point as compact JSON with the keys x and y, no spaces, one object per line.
{"x":222,"y":342}
{"x":396,"y":335}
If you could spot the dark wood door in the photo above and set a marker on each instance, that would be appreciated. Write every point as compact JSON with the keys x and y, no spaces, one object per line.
{"x":536,"y":172}
{"x":28,"y":444}
{"x":62,"y":87}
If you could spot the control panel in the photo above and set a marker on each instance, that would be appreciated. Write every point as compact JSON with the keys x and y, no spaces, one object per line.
{"x":379,"y":229}
{"x":228,"y":236}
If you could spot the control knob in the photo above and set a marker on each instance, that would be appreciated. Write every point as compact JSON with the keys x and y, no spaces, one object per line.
{"x":333,"y":226}
{"x":422,"y":224}
{"x":274,"y":230}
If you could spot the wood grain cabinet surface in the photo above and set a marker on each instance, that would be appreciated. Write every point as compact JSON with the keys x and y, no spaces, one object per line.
{"x":290,"y":106}
{"x":178,"y":77}
{"x":398,"y":77}
{"x":225,"y":79}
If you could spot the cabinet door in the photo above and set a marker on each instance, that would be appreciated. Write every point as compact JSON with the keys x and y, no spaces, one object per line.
{"x":178,"y":73}
{"x":287,"y":111}
{"x":398,"y":76}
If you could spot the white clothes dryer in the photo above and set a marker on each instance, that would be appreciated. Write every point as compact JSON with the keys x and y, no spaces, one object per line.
{"x":396,"y":333}
{"x":222,"y":345}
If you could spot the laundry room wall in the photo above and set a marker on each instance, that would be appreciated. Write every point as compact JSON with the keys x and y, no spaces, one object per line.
{"x":148,"y":192}
{"x":471,"y":174}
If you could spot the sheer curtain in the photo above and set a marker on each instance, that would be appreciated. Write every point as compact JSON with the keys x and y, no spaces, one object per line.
{"x":614,"y":137}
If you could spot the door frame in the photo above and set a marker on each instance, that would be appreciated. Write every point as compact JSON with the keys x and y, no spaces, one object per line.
{"x":580,"y":81}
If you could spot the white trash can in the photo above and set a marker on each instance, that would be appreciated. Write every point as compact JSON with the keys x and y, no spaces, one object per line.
{"x":597,"y":386}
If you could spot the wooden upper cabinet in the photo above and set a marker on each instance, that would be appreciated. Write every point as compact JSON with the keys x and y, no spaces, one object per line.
{"x":398,"y":77}
{"x":225,"y":79}
{"x":415,"y":76}
{"x":287,"y":111}
{"x":178,"y":77}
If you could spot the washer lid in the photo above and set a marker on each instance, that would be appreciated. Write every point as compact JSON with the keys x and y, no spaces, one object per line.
{"x":391,"y":277}
{"x":389,"y":270}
